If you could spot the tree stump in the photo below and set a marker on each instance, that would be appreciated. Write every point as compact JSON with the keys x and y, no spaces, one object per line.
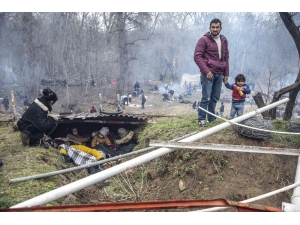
{"x":257,"y":96}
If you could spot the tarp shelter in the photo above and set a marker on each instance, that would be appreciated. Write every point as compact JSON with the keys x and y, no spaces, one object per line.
{"x":90,"y":122}
{"x":194,"y":79}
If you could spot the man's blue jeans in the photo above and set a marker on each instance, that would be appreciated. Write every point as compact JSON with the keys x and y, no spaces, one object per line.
{"x":211,"y":91}
{"x":236,"y":108}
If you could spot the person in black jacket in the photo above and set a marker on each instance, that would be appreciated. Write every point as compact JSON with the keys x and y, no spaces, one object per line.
{"x":36,"y":122}
{"x":143,"y":101}
{"x":26,"y":102}
{"x":125,"y":141}
{"x":5,"y":102}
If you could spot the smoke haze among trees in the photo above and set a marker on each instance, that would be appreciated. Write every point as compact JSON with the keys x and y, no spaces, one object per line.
{"x":131,"y":46}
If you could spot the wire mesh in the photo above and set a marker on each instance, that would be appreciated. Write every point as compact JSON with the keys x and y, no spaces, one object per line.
{"x":294,"y":125}
{"x":257,"y":123}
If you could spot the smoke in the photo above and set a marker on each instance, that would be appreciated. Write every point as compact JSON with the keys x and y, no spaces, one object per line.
{"x":10,"y":77}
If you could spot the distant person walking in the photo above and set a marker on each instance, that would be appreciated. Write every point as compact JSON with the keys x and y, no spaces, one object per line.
{"x":212,"y":57}
{"x":5,"y":102}
{"x":143,"y":101}
{"x":239,"y":91}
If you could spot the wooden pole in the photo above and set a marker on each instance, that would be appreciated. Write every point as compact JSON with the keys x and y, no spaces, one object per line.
{"x":14,"y":106}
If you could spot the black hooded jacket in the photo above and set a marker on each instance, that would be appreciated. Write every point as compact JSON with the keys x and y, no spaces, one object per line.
{"x":36,"y":121}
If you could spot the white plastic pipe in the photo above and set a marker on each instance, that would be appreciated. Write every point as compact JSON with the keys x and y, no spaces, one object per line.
{"x":95,"y":178}
{"x":287,"y":207}
{"x":224,"y":125}
{"x":253,"y":199}
{"x":295,"y":200}
{"x":296,"y":194}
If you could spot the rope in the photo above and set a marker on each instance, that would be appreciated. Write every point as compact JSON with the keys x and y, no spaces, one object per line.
{"x":238,"y":124}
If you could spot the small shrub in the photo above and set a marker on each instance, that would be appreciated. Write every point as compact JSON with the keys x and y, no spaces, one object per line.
{"x":220,"y":177}
{"x":186,"y":156}
{"x":191,"y":169}
{"x":223,"y":161}
{"x":162,"y":170}
{"x":211,"y":156}
{"x":177,"y":173}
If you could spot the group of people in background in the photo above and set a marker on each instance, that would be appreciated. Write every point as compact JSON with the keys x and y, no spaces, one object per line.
{"x":212,"y":57}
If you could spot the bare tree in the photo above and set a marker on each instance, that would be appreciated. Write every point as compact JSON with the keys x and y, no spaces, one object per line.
{"x":293,"y":89}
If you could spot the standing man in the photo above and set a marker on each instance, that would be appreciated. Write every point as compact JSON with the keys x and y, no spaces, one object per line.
{"x":26,"y":102}
{"x":212,"y":57}
{"x":143,"y":101}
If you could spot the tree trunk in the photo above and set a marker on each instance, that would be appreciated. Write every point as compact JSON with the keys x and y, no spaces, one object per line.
{"x":291,"y":103}
{"x":295,"y":33}
{"x":123,"y":52}
{"x":260,"y":103}
{"x":293,"y":90}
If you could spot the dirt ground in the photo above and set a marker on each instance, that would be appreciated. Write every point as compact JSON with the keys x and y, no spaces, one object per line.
{"x":196,"y":174}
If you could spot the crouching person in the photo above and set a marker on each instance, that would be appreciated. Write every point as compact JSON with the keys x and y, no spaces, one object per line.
{"x":125,"y":142}
{"x":36,"y":122}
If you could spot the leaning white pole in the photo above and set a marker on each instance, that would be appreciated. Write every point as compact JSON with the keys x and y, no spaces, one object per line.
{"x":237,"y":119}
{"x":95,"y":178}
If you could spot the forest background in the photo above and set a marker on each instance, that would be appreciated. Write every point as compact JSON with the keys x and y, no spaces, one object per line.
{"x":127,"y":47}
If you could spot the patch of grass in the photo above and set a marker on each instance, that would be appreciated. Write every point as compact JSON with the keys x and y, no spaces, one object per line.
{"x":19,"y":161}
{"x":220,"y":177}
{"x":167,"y":128}
{"x":177,"y":173}
{"x":284,"y":139}
{"x":163,"y":169}
{"x":212,"y":156}
{"x":191,"y":169}
{"x":186,"y":156}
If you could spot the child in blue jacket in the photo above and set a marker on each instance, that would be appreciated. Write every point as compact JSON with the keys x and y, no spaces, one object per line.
{"x":239,"y":91}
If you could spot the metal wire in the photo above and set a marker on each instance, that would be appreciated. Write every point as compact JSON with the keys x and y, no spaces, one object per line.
{"x":251,"y":133}
{"x":254,"y":128}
